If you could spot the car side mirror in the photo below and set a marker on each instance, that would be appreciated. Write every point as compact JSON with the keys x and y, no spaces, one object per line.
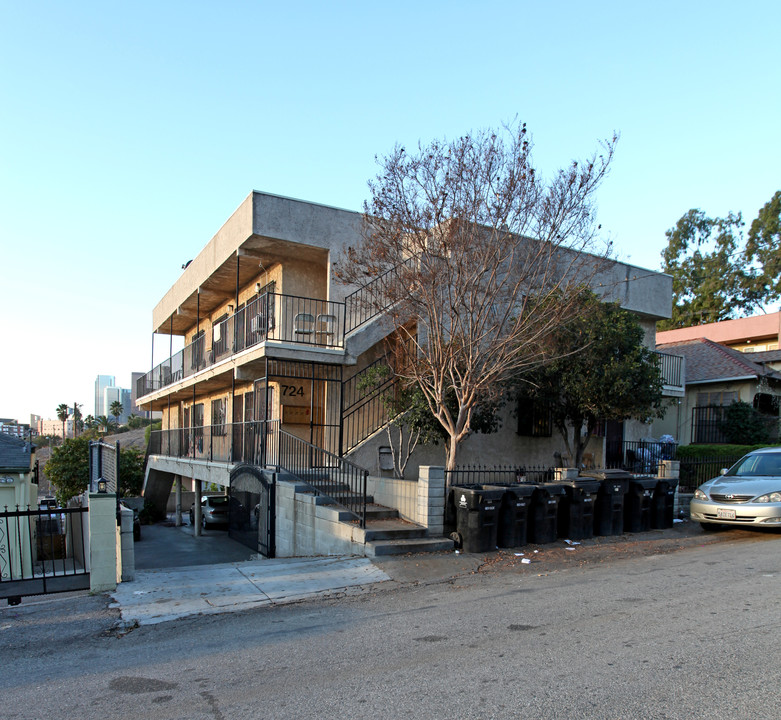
{"x":724,"y":471}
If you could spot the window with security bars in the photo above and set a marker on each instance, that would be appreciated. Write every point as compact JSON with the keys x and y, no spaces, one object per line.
{"x":534,"y":417}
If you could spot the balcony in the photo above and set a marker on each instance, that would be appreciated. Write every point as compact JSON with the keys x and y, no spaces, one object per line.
{"x":271,"y":317}
{"x":673,"y":374}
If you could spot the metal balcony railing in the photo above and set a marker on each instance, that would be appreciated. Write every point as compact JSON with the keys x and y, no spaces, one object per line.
{"x":270,"y":317}
{"x":672,"y":369}
{"x":264,"y":444}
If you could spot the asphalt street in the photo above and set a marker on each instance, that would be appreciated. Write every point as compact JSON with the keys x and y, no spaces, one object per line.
{"x":679,"y":633}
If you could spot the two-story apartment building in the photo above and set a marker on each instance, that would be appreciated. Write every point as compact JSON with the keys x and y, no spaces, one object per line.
{"x":276,"y":356}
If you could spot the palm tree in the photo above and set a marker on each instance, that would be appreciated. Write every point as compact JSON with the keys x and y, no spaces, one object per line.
{"x":62,"y":416}
{"x":116,"y":410}
{"x":78,"y":422}
{"x":89,"y":422}
{"x":104,"y":424}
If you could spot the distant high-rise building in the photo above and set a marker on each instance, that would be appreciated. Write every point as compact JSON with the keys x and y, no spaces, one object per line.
{"x":101,"y":383}
{"x":117,"y":394}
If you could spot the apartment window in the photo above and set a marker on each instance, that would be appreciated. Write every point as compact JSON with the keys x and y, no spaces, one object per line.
{"x":196,"y":360}
{"x":219,"y":409}
{"x":719,"y":398}
{"x":534,"y":417}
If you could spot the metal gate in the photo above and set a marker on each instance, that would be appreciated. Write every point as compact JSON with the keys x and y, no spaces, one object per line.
{"x":43,"y":551}
{"x":251,"y":510}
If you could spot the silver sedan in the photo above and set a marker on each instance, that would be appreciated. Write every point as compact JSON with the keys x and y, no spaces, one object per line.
{"x":748,"y":494}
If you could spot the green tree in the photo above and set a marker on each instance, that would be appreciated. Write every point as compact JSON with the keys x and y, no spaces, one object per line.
{"x":709,"y":284}
{"x":68,"y":468}
{"x":116,"y":410}
{"x":131,"y":471}
{"x":743,"y":425}
{"x":78,"y":422}
{"x":89,"y":422}
{"x":763,"y":252}
{"x":602,"y":372}
{"x":62,"y":416}
{"x":104,"y":423}
{"x":716,"y":275}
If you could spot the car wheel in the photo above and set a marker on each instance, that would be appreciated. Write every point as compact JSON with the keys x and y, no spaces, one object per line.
{"x":192,"y":518}
{"x":711,"y":527}
{"x":203,"y":522}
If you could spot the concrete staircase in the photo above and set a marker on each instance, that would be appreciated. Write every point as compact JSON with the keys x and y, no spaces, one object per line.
{"x":388,"y":534}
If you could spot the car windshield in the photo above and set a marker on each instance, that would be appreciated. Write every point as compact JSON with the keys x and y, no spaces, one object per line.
{"x":764,"y":465}
{"x":218,"y":501}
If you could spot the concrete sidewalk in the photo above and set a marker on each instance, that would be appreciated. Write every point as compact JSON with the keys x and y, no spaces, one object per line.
{"x":167,"y":594}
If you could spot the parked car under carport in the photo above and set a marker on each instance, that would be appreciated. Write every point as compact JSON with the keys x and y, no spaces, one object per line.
{"x":214,"y":511}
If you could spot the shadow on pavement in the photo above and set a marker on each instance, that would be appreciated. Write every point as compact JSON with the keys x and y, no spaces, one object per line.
{"x":165,"y":546}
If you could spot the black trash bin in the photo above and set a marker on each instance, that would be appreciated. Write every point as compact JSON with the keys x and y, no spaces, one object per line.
{"x":477,"y":516}
{"x":514,"y":514}
{"x":609,"y":510}
{"x":663,"y":504}
{"x":544,"y":513}
{"x":576,"y":508}
{"x":637,"y":506}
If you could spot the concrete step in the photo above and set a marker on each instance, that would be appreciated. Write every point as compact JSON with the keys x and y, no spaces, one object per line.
{"x":380,"y":512}
{"x":391,"y":529}
{"x":410,"y":545}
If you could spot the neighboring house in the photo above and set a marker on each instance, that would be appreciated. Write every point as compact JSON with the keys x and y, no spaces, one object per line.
{"x":755,"y":334}
{"x":17,"y":490}
{"x":274,"y":344}
{"x":716,"y":376}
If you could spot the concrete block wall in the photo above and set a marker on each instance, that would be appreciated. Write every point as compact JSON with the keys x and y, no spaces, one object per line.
{"x":431,"y":499}
{"x":304,"y":528}
{"x":396,"y":493}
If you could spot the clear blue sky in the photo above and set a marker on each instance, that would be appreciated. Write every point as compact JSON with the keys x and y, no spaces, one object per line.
{"x":130,"y":132}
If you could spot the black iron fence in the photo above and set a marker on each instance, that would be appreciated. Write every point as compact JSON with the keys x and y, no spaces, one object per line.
{"x":499,"y":474}
{"x":695,"y":471}
{"x":43,"y":551}
{"x":641,"y":457}
{"x":270,"y":317}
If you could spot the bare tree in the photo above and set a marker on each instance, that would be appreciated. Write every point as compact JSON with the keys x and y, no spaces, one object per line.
{"x":474,"y":260}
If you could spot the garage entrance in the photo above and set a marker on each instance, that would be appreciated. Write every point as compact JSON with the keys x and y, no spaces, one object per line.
{"x":251,"y":515}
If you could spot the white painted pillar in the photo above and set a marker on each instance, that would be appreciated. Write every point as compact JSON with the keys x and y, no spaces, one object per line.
{"x":105,"y":562}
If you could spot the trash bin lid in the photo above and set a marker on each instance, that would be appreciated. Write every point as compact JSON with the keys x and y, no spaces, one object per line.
{"x":581,"y":486}
{"x":647,"y":483}
{"x":475,"y":496}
